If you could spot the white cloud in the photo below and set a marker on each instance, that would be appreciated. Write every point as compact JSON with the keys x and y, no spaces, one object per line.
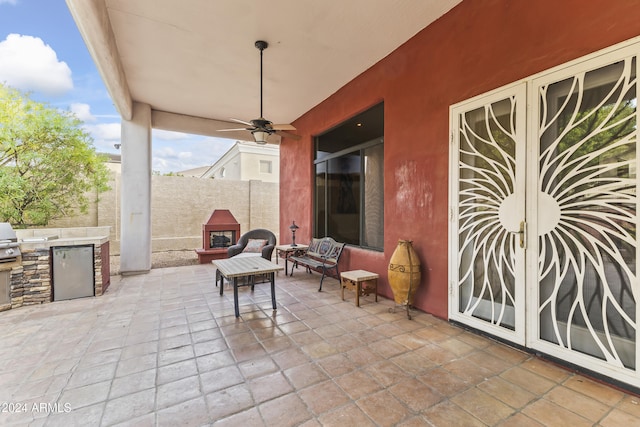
{"x":160,"y":164}
{"x":191,"y":152}
{"x":83,"y":112}
{"x":169,"y":154}
{"x":14,"y":2}
{"x":26,"y":63}
{"x":166,"y":153}
{"x":106,"y":131}
{"x":105,"y":135}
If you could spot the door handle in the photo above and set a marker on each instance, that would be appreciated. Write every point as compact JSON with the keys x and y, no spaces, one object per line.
{"x":523,"y":234}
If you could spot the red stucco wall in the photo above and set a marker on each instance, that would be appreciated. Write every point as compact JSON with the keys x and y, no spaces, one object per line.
{"x":478,"y":46}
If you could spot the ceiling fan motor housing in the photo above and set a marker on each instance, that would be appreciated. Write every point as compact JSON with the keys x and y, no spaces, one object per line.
{"x":262,"y":123}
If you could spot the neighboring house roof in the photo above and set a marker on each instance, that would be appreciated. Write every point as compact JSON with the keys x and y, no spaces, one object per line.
{"x":197,"y":172}
{"x":240,"y":149}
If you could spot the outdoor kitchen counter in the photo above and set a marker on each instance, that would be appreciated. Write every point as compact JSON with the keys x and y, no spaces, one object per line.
{"x":39,"y":248}
{"x":38,"y":243}
{"x":48,"y":237}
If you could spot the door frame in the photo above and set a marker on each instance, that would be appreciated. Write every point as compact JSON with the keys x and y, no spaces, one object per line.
{"x":518,"y":91}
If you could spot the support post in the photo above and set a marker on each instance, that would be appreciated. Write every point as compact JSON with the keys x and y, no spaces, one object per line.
{"x":135,"y":232}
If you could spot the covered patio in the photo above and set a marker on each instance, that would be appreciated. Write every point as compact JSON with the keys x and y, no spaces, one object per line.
{"x":166,"y":349}
{"x":479,"y":117}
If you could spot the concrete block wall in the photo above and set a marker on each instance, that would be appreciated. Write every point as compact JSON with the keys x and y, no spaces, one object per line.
{"x":264,"y":208}
{"x":179,"y":207}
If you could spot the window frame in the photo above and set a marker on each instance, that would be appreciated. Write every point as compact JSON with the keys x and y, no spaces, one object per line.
{"x":266,"y":164}
{"x":360,"y":149}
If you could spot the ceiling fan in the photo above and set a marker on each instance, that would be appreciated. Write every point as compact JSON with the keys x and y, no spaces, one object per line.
{"x":261,"y":128}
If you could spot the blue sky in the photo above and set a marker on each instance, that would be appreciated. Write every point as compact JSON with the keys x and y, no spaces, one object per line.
{"x":42,"y":53}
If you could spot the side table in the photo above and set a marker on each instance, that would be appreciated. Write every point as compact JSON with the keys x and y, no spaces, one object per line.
{"x":286,"y":251}
{"x":362,"y":281}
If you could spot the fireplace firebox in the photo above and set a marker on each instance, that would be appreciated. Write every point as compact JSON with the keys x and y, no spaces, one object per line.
{"x":218,"y":233}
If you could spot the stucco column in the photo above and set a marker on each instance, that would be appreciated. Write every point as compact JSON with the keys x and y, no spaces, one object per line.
{"x":135,"y":231}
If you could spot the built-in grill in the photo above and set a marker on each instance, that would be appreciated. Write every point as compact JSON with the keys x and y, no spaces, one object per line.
{"x":10,"y":257}
{"x":9,"y":246}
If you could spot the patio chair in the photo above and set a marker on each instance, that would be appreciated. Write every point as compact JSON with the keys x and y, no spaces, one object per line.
{"x":258,"y":242}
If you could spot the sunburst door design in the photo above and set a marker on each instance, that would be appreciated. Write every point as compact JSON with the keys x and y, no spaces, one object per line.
{"x":488,"y":278}
{"x":570,"y":219}
{"x":586,"y":215}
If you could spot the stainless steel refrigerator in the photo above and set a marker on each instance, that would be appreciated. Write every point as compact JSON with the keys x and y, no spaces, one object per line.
{"x":73,"y":272}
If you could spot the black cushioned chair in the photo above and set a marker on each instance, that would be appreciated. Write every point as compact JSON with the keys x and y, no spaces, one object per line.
{"x":258,"y":233}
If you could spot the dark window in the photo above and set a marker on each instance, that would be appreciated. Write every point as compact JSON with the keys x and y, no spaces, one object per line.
{"x":349,"y":180}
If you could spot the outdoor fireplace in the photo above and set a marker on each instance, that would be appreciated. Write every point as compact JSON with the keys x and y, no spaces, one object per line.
{"x":221,"y":239}
{"x":218,"y":233}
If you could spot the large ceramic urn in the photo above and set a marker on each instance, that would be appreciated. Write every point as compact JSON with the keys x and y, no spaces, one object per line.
{"x":404,"y":273}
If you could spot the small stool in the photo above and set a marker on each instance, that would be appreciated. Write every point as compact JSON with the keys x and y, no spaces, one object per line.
{"x":363,"y":282}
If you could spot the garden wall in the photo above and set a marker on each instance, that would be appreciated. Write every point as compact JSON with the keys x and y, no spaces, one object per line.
{"x":179,"y":207}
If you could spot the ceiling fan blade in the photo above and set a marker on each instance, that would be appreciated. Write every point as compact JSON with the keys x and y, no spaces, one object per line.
{"x":288,"y":135}
{"x":283,"y":127}
{"x":241,"y":121}
{"x":231,"y":130}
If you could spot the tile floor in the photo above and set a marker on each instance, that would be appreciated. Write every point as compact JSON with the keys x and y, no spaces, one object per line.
{"x":165,"y":349}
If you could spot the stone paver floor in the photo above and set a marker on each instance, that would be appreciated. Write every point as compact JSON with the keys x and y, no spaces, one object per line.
{"x":166,"y":349}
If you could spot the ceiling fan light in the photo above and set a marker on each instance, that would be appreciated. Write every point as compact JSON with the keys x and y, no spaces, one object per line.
{"x":260,"y":136}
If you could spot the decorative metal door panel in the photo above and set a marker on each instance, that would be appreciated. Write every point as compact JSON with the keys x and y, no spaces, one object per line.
{"x":487,"y":230}
{"x":571,"y":219}
{"x":586,"y":287}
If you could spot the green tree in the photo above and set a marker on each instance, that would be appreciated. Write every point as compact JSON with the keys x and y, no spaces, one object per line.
{"x":47,"y":162}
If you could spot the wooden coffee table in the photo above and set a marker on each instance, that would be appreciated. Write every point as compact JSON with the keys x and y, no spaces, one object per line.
{"x":234,"y":268}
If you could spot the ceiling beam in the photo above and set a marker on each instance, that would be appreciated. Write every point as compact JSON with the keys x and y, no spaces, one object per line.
{"x":92,"y":19}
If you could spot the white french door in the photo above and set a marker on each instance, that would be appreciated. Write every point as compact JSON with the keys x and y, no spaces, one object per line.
{"x":488,"y":214}
{"x":584,"y":140}
{"x":543,"y":236}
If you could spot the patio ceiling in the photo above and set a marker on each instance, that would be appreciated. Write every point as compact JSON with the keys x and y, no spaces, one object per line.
{"x":197,"y":58}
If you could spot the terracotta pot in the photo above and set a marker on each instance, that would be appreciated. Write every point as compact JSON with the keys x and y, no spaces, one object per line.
{"x":404,"y":272}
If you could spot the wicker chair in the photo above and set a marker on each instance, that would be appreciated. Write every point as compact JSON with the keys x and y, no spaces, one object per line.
{"x":258,"y":233}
